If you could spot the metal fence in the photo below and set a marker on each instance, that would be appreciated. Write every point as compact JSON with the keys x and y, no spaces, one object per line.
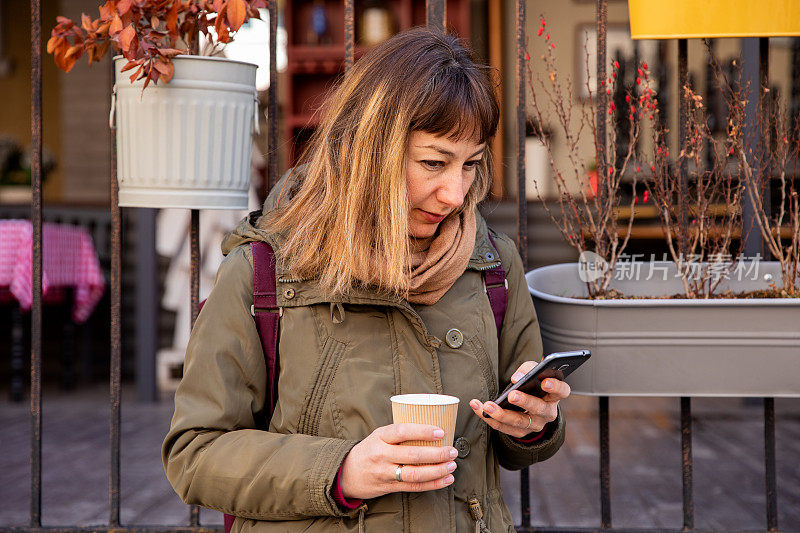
{"x":436,"y":16}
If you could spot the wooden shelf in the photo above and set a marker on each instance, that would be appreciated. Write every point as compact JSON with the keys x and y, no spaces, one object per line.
{"x":623,"y":212}
{"x":323,"y":51}
{"x":312,"y":68}
{"x":656,"y":232}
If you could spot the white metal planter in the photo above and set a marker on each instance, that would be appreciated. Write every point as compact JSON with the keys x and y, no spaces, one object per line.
{"x":186,"y":143}
{"x":672,"y":347}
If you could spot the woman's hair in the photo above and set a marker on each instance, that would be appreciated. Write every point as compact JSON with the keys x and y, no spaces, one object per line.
{"x":347,"y":223}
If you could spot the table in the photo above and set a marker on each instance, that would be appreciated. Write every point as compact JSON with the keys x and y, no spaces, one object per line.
{"x":69,"y":261}
{"x":69,"y":264}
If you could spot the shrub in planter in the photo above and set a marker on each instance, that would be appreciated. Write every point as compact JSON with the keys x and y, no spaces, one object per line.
{"x":186,"y":140}
{"x":587,"y":202}
{"x":695,"y":326}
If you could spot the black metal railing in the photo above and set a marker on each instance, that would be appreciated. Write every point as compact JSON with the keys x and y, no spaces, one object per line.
{"x":436,"y":16}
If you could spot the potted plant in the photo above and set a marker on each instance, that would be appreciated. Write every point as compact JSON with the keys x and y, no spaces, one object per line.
{"x":705,"y":321}
{"x":183,"y":122}
{"x":15,"y":171}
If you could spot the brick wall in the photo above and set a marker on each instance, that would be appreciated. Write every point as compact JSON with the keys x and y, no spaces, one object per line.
{"x":85,"y":103}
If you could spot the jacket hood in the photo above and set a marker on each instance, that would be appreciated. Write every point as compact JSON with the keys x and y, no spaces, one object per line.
{"x":484,"y":255}
{"x":249,"y":229}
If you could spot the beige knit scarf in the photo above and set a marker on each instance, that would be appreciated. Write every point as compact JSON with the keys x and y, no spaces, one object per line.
{"x":437,"y":262}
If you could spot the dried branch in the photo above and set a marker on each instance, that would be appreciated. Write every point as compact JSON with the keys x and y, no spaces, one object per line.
{"x":584,"y":216}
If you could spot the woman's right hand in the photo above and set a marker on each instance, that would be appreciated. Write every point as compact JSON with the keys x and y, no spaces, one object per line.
{"x":368,"y":471}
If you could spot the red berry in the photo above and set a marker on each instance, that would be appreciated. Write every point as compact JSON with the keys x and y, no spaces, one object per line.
{"x":638,"y":81}
{"x":645,"y":196}
{"x":653,"y":168}
{"x":608,"y":91}
{"x":613,"y":107}
{"x":552,"y":45}
{"x":644,"y":65}
{"x":614,"y":75}
{"x":609,"y":111}
{"x":650,"y":117}
{"x":539,"y":33}
{"x":635,"y":199}
{"x":527,"y":57}
{"x":616,"y":64}
{"x":547,"y":37}
{"x":638,"y":169}
{"x":660,"y":151}
{"x":639,"y":71}
{"x":627,"y":98}
{"x":542,"y":21}
{"x":633,"y":110}
{"x":610,"y":171}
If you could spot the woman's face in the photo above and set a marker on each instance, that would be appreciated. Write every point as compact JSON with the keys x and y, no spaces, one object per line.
{"x":439,"y":173}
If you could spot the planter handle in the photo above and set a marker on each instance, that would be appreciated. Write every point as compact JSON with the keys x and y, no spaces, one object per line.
{"x":255,"y":115}
{"x":111,"y":115}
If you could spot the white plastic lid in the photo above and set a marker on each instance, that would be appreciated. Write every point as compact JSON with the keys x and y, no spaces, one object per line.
{"x":424,"y":399}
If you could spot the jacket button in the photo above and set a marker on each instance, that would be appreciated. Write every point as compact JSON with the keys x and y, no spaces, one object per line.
{"x":288,"y":294}
{"x":454,"y":338}
{"x":462,"y":445}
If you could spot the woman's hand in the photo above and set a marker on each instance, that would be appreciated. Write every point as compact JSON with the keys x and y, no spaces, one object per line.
{"x":369,"y":469}
{"x":540,"y":411}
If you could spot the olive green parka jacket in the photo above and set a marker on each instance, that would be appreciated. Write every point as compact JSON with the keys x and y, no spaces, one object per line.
{"x":340,"y":361}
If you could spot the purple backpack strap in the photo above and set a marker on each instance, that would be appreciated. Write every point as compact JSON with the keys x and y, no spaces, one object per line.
{"x":496,"y":285}
{"x":266,"y":315}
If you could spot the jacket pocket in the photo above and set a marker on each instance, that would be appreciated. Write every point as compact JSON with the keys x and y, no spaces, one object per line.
{"x":487,"y":368}
{"x":322,"y":378}
{"x":498,"y":516}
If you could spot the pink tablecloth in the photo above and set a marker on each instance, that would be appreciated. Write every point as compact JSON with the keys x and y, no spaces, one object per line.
{"x":70,"y":261}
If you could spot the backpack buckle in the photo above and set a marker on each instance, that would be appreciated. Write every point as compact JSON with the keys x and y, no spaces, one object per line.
{"x":494,"y":285}
{"x":270,"y":310}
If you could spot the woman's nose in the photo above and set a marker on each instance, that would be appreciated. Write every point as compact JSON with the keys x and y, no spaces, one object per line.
{"x":452,"y":191}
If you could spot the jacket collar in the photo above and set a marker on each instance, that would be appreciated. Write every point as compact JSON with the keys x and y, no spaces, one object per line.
{"x":484,"y":255}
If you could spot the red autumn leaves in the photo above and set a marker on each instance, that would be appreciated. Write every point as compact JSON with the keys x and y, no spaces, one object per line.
{"x":145,"y":32}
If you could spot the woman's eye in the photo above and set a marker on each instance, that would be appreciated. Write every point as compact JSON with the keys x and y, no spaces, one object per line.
{"x":469,"y":165}
{"x":433,"y":165}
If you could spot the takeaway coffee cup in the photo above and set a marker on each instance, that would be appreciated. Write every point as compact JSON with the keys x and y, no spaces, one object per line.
{"x":437,"y":410}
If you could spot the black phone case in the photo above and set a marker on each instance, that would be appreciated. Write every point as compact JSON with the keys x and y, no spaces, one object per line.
{"x":559,"y":368}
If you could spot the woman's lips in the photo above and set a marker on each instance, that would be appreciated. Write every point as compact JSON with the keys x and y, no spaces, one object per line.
{"x":431,"y":217}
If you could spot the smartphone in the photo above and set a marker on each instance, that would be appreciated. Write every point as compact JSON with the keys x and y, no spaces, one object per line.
{"x":556,"y":365}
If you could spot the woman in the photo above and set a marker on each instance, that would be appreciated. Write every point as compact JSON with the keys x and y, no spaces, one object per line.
{"x":381,"y":253}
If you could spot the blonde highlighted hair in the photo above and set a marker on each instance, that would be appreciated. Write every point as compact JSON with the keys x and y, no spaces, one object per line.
{"x":347,"y":222}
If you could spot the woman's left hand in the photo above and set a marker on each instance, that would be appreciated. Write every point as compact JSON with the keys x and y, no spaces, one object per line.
{"x":540,"y":411}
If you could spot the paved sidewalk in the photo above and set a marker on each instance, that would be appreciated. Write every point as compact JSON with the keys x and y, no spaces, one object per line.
{"x":645,"y":465}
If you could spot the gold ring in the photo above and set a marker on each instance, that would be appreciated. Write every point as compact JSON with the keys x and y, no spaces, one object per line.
{"x":398,"y":473}
{"x":530,"y":420}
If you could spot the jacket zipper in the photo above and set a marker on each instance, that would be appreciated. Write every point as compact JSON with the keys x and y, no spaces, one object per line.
{"x":477,"y":514}
{"x":485,"y":267}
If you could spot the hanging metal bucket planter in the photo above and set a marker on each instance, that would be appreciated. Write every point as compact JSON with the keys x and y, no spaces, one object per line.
{"x":186,"y":143}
